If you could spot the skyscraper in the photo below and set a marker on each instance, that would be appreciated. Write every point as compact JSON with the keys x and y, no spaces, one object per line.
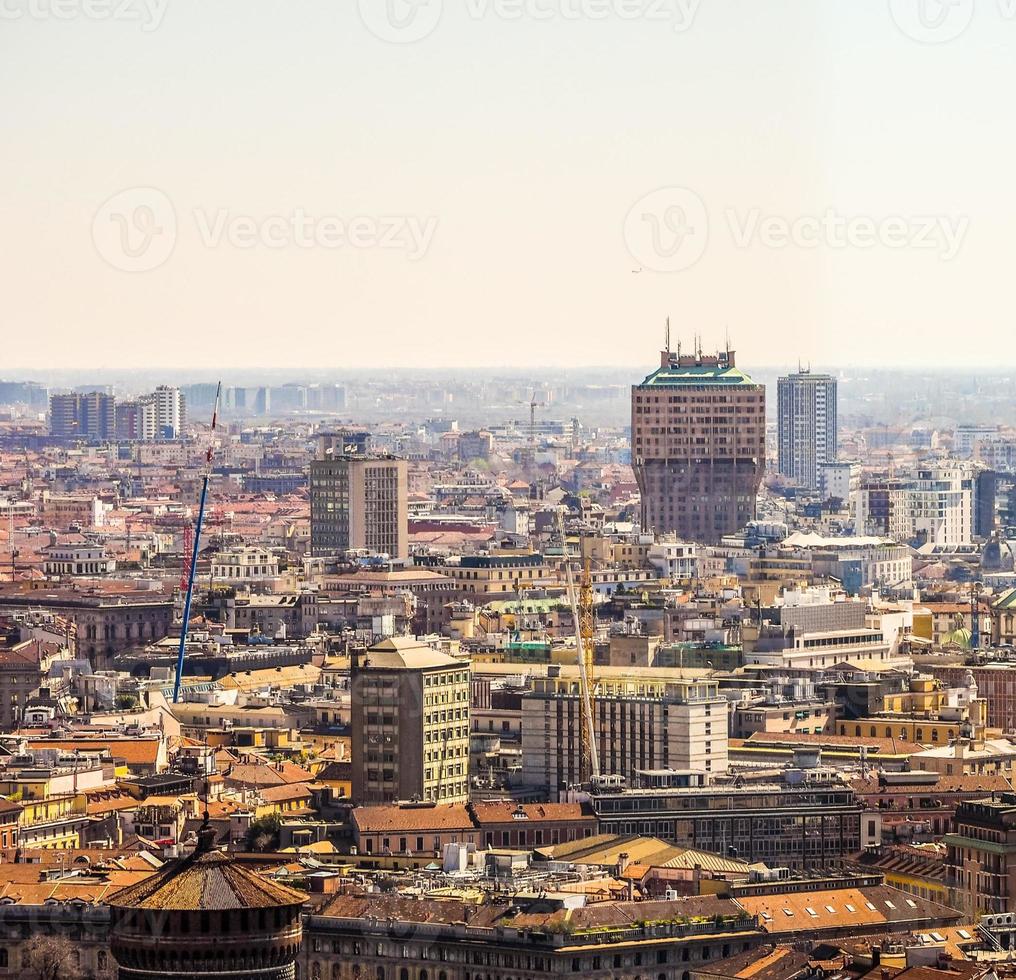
{"x":698,"y":445}
{"x":359,"y":502}
{"x":806,"y":406}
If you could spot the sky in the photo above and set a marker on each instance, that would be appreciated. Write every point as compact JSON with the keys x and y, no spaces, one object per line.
{"x":365,"y":183}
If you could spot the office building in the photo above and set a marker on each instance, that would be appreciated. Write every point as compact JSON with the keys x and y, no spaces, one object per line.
{"x":410,"y":724}
{"x":803,"y":826}
{"x":698,"y":445}
{"x":644,"y":719}
{"x":359,"y":503}
{"x":806,"y":426}
{"x":83,"y":416}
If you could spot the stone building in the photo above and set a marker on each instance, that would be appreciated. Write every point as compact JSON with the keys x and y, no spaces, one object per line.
{"x":205,"y":917}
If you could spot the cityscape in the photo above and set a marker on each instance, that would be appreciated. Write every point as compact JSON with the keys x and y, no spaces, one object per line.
{"x":507,"y":490}
{"x":462,"y":676}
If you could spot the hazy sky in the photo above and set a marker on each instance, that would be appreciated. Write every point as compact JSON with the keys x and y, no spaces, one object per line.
{"x":342,"y":183}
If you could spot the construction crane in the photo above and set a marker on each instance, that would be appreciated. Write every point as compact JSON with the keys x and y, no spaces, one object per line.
{"x":185,"y":623}
{"x":582,"y":616}
{"x":533,"y":406}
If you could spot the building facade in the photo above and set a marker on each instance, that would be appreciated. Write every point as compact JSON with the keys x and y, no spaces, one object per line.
{"x":980,"y":861}
{"x":359,"y":503}
{"x":806,"y":426}
{"x":410,"y":724}
{"x":644,"y":719}
{"x":698,"y":446}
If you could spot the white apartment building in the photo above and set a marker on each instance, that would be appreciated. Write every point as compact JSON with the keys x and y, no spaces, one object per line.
{"x":77,"y":559}
{"x":674,"y":559}
{"x":934,"y":506}
{"x":245,"y":565}
{"x":168,"y":412}
{"x":644,"y":718}
{"x":839,"y":479}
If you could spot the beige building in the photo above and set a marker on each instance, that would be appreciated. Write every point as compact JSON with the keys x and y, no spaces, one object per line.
{"x":644,"y":719}
{"x":698,"y":431}
{"x":359,"y":503}
{"x":410,"y":724}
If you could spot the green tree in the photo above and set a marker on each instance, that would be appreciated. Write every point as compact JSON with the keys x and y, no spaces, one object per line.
{"x":263,"y":834}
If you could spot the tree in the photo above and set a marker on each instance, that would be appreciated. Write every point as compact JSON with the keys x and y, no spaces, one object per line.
{"x":52,"y":958}
{"x":263,"y":833}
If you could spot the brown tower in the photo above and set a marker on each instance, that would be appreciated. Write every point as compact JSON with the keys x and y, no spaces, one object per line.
{"x":206,"y":918}
{"x":698,"y":432}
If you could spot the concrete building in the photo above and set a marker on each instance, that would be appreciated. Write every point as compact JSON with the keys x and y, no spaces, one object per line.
{"x":359,"y":503}
{"x":784,"y":826}
{"x":77,"y":559}
{"x":169,"y":412}
{"x":410,"y":724}
{"x":934,"y":506}
{"x":806,"y":426}
{"x":237,"y":566}
{"x":83,"y":416}
{"x":644,"y":718}
{"x":980,"y":861}
{"x":698,"y":445}
{"x":839,"y":480}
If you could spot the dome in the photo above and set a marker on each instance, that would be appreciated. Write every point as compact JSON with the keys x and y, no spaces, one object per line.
{"x":958,"y":638}
{"x":206,"y":917}
{"x":207,"y":881}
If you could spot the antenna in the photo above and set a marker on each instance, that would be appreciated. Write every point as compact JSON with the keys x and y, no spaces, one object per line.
{"x":667,"y":348}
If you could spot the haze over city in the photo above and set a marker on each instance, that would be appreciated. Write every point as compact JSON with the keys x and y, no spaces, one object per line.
{"x":833,"y":163}
{"x":507,"y":490}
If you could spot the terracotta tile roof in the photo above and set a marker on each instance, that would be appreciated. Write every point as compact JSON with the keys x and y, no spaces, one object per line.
{"x":810,"y":911}
{"x":382,"y":819}
{"x":502,"y":811}
{"x":206,"y":881}
{"x":885,"y":746}
{"x":134,"y":751}
{"x":290,"y":791}
{"x":263,"y":774}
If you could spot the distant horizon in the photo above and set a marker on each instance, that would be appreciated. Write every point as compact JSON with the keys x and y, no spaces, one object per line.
{"x":26,"y":374}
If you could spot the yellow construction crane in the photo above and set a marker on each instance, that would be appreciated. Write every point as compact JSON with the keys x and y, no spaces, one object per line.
{"x":582,"y":616}
{"x":587,"y":630}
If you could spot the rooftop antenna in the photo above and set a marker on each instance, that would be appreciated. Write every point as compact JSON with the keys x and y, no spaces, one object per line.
{"x":197,"y":544}
{"x":667,"y":348}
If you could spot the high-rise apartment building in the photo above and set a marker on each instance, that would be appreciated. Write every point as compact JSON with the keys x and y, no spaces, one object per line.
{"x":359,"y":502}
{"x":698,"y":445}
{"x":410,"y":724}
{"x":806,"y":406}
{"x":169,"y":412}
{"x":91,"y":415}
{"x":933,"y":506}
{"x":644,"y":718}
